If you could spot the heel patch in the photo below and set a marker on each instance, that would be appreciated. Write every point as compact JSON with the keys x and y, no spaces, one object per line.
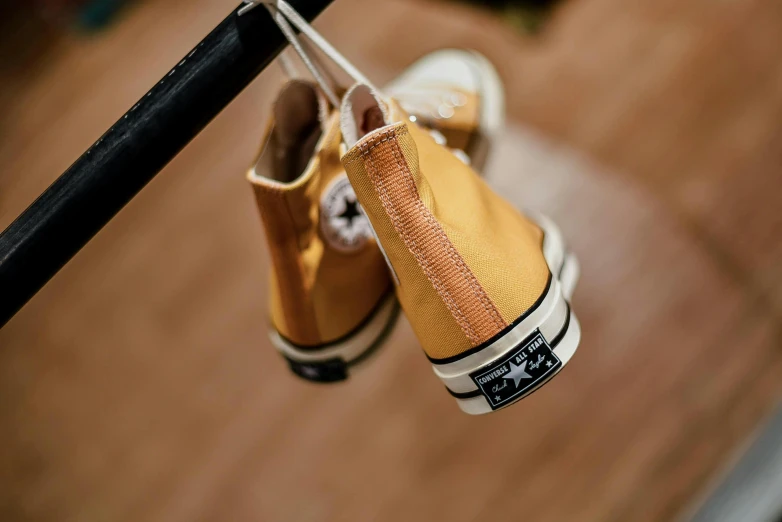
{"x":331,"y":370}
{"x":520,"y":370}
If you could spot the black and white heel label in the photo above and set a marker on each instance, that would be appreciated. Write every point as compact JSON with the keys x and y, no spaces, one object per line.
{"x":519,"y":371}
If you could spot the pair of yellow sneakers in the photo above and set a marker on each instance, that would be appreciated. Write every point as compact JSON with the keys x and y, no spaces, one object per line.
{"x":378,"y":203}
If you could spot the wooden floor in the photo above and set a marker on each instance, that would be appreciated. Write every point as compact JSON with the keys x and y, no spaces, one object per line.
{"x":139,"y":384}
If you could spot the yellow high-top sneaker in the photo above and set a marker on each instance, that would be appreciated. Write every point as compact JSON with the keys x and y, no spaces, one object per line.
{"x":332,"y":299}
{"x":477,"y":279}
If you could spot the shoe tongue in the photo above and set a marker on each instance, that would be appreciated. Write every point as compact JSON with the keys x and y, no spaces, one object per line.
{"x":363,"y":111}
{"x":300,"y":115}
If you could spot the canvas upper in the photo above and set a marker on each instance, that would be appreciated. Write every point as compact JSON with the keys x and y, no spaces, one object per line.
{"x":327,"y":273}
{"x":468,"y":264}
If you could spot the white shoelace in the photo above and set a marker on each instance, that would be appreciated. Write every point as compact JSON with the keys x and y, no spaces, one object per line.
{"x":441,"y":104}
{"x":285,"y":15}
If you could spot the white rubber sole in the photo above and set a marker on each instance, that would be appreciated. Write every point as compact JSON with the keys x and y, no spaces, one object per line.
{"x":334,"y":361}
{"x":568,"y":275}
{"x":551,"y":317}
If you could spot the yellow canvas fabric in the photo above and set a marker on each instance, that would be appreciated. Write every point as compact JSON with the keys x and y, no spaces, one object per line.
{"x":500,"y":248}
{"x":318,"y":294}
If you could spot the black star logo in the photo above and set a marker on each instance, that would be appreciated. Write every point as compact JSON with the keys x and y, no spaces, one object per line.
{"x":351,"y":211}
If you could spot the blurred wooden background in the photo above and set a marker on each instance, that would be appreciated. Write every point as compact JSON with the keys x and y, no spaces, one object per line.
{"x":139,"y":384}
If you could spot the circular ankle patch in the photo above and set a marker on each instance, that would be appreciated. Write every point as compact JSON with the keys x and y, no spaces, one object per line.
{"x":342,"y":221}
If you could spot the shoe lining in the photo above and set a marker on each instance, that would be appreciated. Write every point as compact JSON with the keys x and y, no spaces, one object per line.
{"x":294,"y":138}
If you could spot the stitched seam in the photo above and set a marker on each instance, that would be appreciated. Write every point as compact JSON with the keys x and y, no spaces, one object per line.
{"x":421,"y":209}
{"x":301,"y":322}
{"x":374,"y":142}
{"x":472,"y":281}
{"x":409,"y":241}
{"x":468,"y":328}
{"x":309,"y":324}
{"x":413,"y":247}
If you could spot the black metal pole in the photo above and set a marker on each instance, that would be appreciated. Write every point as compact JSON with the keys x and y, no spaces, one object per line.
{"x":106,"y":177}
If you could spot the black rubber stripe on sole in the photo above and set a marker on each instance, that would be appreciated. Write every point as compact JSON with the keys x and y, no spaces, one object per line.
{"x":380,"y":338}
{"x":335,"y":369}
{"x":314,"y":348}
{"x":556,"y":340}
